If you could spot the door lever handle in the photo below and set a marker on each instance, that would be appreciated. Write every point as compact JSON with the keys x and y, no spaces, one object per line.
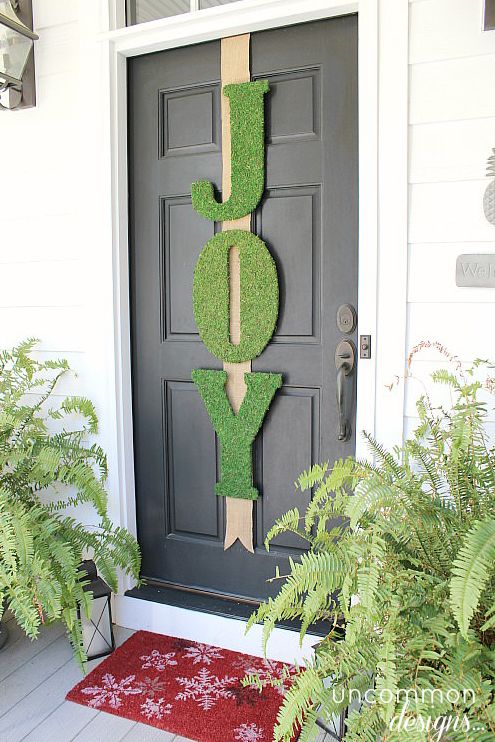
{"x":341,"y":374}
{"x":344,"y":362}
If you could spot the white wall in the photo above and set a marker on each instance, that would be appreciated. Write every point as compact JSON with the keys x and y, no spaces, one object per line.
{"x":40,"y":252}
{"x":451,"y":134}
{"x":55,"y":251}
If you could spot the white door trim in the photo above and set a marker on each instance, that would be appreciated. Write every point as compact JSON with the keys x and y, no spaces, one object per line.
{"x":383,"y":111}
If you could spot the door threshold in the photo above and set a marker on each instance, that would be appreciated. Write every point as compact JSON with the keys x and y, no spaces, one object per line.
{"x":215,"y":605}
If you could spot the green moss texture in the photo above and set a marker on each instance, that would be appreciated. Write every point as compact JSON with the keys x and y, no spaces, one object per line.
{"x":236,"y":432}
{"x":247,"y":156}
{"x":258,"y":297}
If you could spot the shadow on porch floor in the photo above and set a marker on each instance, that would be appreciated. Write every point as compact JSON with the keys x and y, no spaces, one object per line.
{"x":34,"y":679}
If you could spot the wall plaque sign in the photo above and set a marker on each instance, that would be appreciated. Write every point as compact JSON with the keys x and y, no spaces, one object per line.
{"x":476,"y":270}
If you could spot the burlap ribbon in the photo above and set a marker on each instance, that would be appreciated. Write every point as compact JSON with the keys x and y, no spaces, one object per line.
{"x":235,"y":69}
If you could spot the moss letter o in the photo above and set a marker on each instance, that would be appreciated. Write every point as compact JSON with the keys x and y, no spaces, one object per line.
{"x":258,"y":300}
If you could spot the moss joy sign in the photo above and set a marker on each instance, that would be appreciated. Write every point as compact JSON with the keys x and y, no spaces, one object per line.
{"x":258,"y":299}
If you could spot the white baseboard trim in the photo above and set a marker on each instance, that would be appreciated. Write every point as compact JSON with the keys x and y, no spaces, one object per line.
{"x":227,"y":633}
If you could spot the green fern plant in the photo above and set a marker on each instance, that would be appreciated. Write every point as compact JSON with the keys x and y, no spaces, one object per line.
{"x":401,"y":564}
{"x":48,"y":466}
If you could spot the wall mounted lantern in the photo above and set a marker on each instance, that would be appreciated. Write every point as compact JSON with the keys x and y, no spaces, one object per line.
{"x":489,"y":15}
{"x":17,"y":84}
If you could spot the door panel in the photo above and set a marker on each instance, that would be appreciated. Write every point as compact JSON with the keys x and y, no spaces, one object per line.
{"x":192,"y":509}
{"x":308,"y":219}
{"x":286,"y":220}
{"x":297,"y":409}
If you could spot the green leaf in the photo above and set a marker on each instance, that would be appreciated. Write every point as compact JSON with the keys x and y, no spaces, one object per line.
{"x":471,"y":572}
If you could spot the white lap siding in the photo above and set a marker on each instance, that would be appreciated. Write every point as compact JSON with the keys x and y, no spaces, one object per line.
{"x":451,"y":134}
{"x":55,"y":282}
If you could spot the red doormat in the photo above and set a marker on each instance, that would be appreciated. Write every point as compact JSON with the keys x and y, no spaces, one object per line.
{"x":186,"y":688}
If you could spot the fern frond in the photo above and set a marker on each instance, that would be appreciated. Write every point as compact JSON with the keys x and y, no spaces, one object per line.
{"x":308,"y":479}
{"x":471,"y":571}
{"x":41,"y":548}
{"x":404,"y":548}
{"x":288,"y":522}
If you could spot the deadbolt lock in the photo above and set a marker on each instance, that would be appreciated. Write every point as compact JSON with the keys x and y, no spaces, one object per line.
{"x":346,"y":318}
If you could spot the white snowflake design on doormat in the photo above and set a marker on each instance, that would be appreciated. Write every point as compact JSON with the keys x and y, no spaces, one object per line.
{"x":110,"y":691}
{"x":249,"y":733}
{"x":203,"y":653}
{"x":247,"y":665}
{"x":158,"y":660}
{"x":155,"y":709}
{"x":151,"y":687}
{"x":204,"y":688}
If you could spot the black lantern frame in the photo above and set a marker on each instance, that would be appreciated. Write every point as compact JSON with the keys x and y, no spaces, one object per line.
{"x":17,"y":85}
{"x":98,"y":636}
{"x":489,"y":15}
{"x":334,"y":729}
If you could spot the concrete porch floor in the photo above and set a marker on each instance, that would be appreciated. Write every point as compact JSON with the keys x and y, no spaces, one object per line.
{"x":34,"y":679}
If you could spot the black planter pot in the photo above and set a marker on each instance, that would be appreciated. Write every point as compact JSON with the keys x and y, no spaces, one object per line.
{"x":4,"y":635}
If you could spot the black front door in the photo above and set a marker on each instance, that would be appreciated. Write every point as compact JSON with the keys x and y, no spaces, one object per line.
{"x":308,"y":220}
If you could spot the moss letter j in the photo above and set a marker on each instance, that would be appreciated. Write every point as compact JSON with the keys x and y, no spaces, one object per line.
{"x":236,"y":432}
{"x":247,"y":156}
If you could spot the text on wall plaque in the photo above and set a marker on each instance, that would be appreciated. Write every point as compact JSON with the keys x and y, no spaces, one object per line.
{"x":476,"y":270}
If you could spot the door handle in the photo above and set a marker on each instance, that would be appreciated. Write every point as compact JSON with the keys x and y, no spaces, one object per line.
{"x":342,"y":434}
{"x":345,"y":358}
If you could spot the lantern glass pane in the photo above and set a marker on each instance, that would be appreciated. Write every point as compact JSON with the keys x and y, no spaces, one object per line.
{"x":97,"y":631}
{"x":14,"y":47}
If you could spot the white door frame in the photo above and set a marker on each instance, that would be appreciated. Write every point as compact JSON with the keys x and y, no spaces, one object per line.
{"x":383,"y":112}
